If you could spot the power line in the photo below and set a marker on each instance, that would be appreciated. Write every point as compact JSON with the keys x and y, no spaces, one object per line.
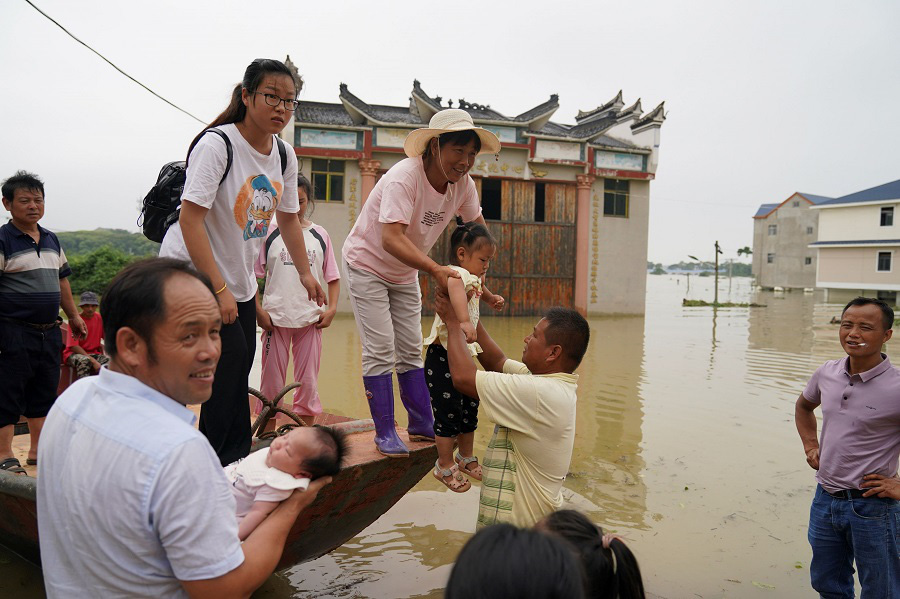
{"x":52,"y":20}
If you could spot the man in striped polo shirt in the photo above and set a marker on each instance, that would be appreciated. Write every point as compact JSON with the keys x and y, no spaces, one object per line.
{"x":33,"y":284}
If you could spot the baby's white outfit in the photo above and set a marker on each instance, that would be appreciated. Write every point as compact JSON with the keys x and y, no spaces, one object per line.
{"x":251,"y":480}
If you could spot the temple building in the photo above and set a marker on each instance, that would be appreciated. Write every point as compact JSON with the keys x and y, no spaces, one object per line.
{"x":569,"y":204}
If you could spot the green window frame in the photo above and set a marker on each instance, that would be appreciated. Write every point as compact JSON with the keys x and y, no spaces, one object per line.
{"x":615,"y":198}
{"x":328,"y":179}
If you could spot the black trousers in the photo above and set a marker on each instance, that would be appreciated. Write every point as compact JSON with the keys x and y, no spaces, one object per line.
{"x":29,"y":371}
{"x":225,"y":417}
{"x":454,"y":412}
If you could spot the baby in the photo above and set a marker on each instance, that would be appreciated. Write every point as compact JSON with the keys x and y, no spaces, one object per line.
{"x":267,"y":477}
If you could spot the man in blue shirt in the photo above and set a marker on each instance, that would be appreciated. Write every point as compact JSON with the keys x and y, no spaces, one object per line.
{"x":33,"y":284}
{"x":132,"y":500}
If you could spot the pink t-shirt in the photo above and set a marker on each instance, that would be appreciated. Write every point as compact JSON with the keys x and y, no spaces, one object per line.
{"x":860,"y":422}
{"x":404,"y":195}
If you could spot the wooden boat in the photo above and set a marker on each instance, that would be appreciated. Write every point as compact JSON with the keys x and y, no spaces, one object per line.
{"x":368,"y":485}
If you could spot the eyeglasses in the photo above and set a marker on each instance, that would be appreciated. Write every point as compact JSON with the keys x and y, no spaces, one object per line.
{"x":273,"y":100}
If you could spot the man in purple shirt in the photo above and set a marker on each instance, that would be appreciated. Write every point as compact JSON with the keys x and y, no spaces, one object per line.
{"x":855,"y":513}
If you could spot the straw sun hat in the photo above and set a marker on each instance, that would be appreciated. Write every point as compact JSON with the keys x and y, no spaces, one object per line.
{"x":447,"y":121}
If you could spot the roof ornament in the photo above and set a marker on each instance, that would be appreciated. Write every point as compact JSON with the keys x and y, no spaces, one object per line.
{"x":292,"y":67}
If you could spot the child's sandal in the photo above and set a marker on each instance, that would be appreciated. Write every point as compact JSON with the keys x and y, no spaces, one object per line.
{"x":451,"y":478}
{"x":471,"y":472}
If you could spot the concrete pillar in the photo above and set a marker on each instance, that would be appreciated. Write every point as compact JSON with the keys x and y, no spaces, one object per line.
{"x":368,"y":169}
{"x":582,"y":240}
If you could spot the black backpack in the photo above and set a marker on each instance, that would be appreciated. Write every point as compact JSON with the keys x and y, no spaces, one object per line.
{"x":160,"y":206}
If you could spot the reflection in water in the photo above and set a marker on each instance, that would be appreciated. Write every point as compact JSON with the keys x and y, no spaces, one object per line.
{"x":790,"y":338}
{"x":607,"y":461}
{"x":685,"y":443}
{"x":712,"y":350}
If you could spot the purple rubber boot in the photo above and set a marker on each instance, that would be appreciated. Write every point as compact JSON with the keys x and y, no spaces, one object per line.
{"x":417,"y":401}
{"x":380,"y":394}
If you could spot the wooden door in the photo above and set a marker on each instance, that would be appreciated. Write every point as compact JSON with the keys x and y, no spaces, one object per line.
{"x":534,"y":267}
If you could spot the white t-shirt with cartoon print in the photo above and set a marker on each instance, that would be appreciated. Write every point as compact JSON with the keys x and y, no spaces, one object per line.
{"x":240,"y":209}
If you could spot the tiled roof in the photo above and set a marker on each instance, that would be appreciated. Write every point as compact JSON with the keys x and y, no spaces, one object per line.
{"x":352,"y":99}
{"x":592,"y":128}
{"x":322,"y":113}
{"x":359,"y":111}
{"x":549,"y":106}
{"x":765,"y":209}
{"x":585,"y":114}
{"x":434,"y":102}
{"x":481,"y":111}
{"x":552,"y":128}
{"x":814,"y":199}
{"x":612,"y":142}
{"x":888,"y":191}
{"x":657,"y":114}
{"x":393,"y":114}
{"x":860,"y":242}
{"x":584,"y":131}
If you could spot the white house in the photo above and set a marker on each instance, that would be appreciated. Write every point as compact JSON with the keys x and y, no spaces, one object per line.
{"x":858,"y":244}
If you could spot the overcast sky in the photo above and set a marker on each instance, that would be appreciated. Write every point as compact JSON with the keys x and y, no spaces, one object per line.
{"x":763,"y":98}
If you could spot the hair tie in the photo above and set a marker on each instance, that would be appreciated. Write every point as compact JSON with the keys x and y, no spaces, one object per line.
{"x":606,"y":541}
{"x":609,"y":538}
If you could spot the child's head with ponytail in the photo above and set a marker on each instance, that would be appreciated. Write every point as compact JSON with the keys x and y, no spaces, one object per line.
{"x":472,"y":246}
{"x":610,"y":569}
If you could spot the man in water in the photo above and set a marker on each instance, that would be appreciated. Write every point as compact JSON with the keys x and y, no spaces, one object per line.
{"x":532,"y":403}
{"x":132,"y":500}
{"x":855,"y":513}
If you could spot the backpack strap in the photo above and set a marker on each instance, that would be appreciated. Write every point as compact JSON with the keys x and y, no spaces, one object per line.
{"x":269,"y":242}
{"x":282,"y":153}
{"x":315,"y":234}
{"x":322,"y":243}
{"x":229,"y":152}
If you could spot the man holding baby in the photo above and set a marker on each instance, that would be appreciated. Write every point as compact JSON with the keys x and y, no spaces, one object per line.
{"x":132,"y":500}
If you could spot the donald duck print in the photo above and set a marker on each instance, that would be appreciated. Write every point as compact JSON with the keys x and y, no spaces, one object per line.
{"x":255,"y":206}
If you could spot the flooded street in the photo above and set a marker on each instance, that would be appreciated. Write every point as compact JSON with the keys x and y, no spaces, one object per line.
{"x":685,"y":445}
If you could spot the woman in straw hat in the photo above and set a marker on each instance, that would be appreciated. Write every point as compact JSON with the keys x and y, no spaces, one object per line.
{"x":401,"y":220}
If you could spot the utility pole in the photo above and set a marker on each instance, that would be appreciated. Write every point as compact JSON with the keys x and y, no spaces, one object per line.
{"x":716,"y":296}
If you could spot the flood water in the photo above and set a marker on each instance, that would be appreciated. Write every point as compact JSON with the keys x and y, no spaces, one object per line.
{"x":685,"y":444}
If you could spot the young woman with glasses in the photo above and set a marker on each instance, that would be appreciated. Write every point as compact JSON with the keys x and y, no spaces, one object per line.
{"x":222,"y":224}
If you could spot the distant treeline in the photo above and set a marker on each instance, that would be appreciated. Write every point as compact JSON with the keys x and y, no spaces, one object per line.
{"x":77,"y":243}
{"x":96,"y":256}
{"x":737,"y":269}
